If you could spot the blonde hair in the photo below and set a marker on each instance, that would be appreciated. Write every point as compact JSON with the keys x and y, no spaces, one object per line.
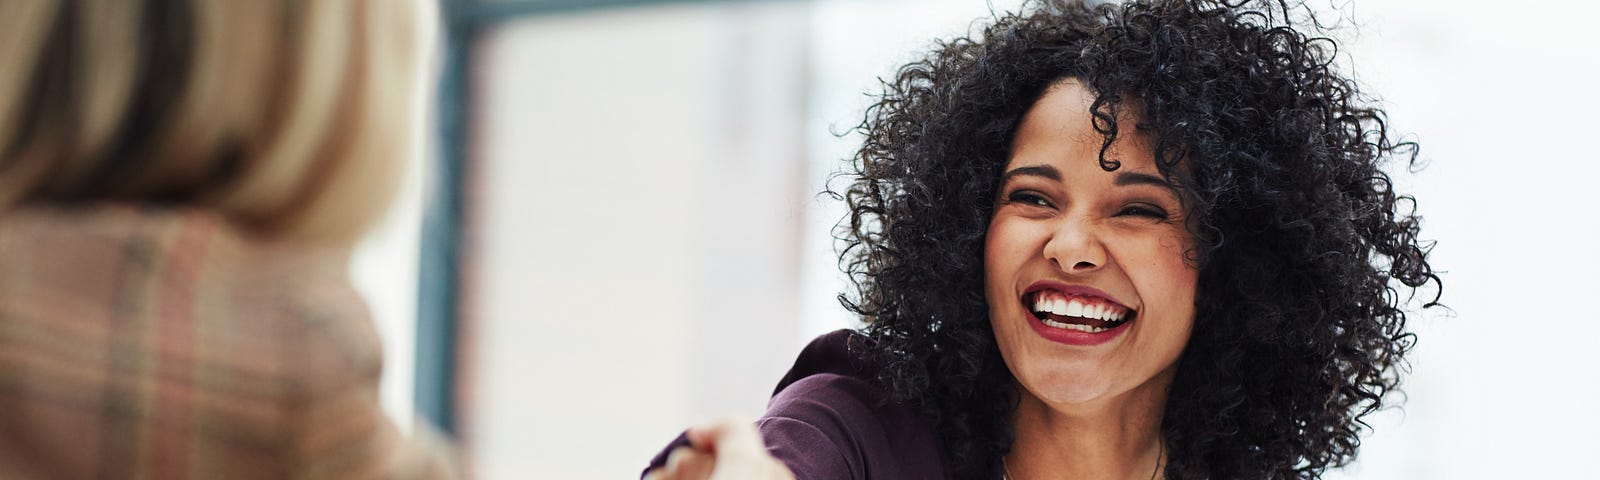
{"x":289,"y":117}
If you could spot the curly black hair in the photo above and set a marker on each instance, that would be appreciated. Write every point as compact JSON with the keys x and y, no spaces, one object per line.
{"x":1303,"y":246}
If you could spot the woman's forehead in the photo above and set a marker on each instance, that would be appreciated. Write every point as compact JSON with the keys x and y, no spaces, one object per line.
{"x":1058,"y":130}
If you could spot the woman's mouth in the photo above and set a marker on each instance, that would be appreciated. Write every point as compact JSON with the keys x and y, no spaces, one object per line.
{"x":1083,"y":313}
{"x":1075,"y":315}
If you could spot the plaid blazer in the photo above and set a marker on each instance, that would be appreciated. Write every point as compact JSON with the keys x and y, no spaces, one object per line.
{"x":140,"y":342}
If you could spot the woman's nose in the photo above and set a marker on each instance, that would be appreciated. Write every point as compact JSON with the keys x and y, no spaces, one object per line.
{"x":1075,"y":247}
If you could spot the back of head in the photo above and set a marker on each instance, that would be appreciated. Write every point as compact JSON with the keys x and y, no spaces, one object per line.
{"x":287,"y":117}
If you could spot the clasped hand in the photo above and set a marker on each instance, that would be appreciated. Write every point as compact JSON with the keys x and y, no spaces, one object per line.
{"x":726,"y":449}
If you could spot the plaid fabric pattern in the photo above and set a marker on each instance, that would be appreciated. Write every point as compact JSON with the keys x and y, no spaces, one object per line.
{"x":147,"y":343}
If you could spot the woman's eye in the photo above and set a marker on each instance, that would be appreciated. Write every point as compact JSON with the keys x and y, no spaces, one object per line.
{"x":1144,"y":211}
{"x":1028,"y":198}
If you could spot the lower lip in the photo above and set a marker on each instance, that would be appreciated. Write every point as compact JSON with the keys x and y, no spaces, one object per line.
{"x":1074,"y":337}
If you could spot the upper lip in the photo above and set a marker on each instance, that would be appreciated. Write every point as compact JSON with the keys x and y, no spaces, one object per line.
{"x":1070,"y":289}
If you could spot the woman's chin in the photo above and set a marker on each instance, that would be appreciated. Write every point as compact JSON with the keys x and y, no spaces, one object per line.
{"x":1069,"y":386}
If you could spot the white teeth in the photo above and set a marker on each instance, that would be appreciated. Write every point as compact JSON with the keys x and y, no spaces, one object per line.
{"x":1076,"y":307}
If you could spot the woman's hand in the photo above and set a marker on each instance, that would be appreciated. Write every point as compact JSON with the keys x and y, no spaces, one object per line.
{"x":727,"y":449}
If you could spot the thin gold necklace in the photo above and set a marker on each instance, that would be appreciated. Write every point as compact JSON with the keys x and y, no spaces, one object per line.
{"x":1006,"y":466}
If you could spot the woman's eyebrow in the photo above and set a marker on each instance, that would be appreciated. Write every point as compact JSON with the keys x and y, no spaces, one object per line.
{"x":1045,"y":171}
{"x":1134,"y":178}
{"x":1123,"y":178}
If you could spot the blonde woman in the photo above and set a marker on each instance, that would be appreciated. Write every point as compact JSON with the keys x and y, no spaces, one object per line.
{"x":181,"y":182}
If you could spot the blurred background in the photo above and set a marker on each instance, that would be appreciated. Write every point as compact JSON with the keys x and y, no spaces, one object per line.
{"x":615,"y":231}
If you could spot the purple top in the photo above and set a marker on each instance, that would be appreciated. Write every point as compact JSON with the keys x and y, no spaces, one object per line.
{"x":828,"y":420}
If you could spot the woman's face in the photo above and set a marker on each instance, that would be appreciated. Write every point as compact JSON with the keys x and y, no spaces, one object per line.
{"x":1089,"y":294}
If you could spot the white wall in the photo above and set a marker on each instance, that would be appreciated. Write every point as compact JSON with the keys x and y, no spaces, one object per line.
{"x":638,"y":194}
{"x":1501,"y":96}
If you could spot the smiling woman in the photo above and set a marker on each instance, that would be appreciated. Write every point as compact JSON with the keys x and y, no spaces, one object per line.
{"x":1105,"y":241}
{"x":1090,"y":295}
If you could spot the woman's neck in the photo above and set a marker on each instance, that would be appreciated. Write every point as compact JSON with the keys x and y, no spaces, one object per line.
{"x":1112,"y":438}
